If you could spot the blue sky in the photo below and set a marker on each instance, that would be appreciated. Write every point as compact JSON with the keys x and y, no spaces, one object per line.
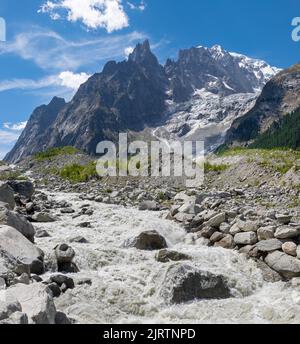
{"x":53,"y":46}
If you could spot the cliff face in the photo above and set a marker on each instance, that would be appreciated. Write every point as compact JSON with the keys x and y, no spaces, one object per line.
{"x":41,"y":119}
{"x":137,"y":93}
{"x":279,"y":97}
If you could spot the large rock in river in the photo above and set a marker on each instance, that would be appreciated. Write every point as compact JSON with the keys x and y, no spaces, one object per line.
{"x":17,"y":246}
{"x":17,"y":221}
{"x":285,"y":265}
{"x":7,"y":195}
{"x":24,"y":188}
{"x":36,"y":301}
{"x":185,"y":283}
{"x":148,"y":241}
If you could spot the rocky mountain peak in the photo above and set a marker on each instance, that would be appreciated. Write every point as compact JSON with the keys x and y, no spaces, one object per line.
{"x":143,"y":55}
{"x":135,"y":94}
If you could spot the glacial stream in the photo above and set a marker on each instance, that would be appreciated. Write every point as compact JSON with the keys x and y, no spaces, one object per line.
{"x":126,"y":282}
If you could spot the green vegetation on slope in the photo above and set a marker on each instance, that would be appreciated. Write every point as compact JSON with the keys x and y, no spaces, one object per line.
{"x":209,"y":167}
{"x":54,"y":152}
{"x":285,"y":133}
{"x":277,"y":159}
{"x":76,"y":173}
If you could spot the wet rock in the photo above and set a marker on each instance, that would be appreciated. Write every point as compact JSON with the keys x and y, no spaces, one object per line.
{"x":64,"y":253}
{"x":79,"y":240}
{"x":16,"y":245}
{"x":290,"y":248}
{"x":43,"y":218}
{"x":216,"y":221}
{"x":17,"y":221}
{"x":269,"y":245}
{"x":285,"y":265}
{"x":286,"y":232}
{"x":149,"y":205}
{"x":224,"y":228}
{"x":7,"y":195}
{"x":17,"y":318}
{"x":246,"y":238}
{"x":148,"y":241}
{"x":63,"y":279}
{"x":266,"y":233}
{"x":248,"y":226}
{"x":269,"y":275}
{"x":2,"y":283}
{"x":174,"y":210}
{"x":217,"y":236}
{"x":23,"y":279}
{"x":227,"y":242}
{"x":62,"y":319}
{"x":84,"y":225}
{"x":36,"y":301}
{"x":184,"y":283}
{"x":42,"y":233}
{"x":8,"y":306}
{"x":55,"y":289}
{"x":235,"y":229}
{"x":284,"y":219}
{"x":67,"y":211}
{"x":24,"y":188}
{"x":165,"y":256}
{"x":83,"y":281}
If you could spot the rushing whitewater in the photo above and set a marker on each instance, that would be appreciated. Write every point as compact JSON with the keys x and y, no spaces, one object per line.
{"x":126,"y":282}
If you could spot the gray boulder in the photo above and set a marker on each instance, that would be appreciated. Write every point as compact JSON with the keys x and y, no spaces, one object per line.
{"x":43,"y":218}
{"x":165,"y":256}
{"x":227,"y":242}
{"x":216,"y":221}
{"x":17,"y":221}
{"x":285,"y":265}
{"x":24,"y":188}
{"x":149,"y":205}
{"x":246,"y":238}
{"x":266,"y":233}
{"x":22,"y":250}
{"x":290,"y":248}
{"x":287,"y":232}
{"x":7,"y":195}
{"x":184,"y":283}
{"x":36,"y":301}
{"x":269,"y":275}
{"x":284,"y":219}
{"x":269,"y":245}
{"x":148,"y":241}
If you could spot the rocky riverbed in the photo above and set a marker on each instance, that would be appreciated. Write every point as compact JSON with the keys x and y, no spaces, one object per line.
{"x":132,"y":256}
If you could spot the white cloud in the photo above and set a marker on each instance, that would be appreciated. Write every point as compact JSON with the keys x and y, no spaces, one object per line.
{"x":65,"y":79}
{"x":50,"y":51}
{"x":7,"y":137}
{"x":72,"y":80}
{"x":128,"y":51}
{"x":141,"y":6}
{"x":94,"y":14}
{"x":15,"y":126}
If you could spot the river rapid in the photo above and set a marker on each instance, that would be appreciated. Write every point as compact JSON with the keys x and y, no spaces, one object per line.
{"x":126,"y":282}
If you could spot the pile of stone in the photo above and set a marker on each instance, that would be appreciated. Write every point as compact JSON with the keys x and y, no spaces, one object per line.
{"x":222,"y":220}
{"x":24,"y":296}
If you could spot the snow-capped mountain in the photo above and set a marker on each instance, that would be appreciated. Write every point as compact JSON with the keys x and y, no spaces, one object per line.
{"x":263,"y":72}
{"x":195,"y":97}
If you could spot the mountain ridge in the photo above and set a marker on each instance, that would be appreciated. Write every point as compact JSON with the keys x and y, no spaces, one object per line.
{"x":136,"y":94}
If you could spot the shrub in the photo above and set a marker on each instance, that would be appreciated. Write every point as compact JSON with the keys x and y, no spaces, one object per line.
{"x":76,"y":173}
{"x":54,"y":152}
